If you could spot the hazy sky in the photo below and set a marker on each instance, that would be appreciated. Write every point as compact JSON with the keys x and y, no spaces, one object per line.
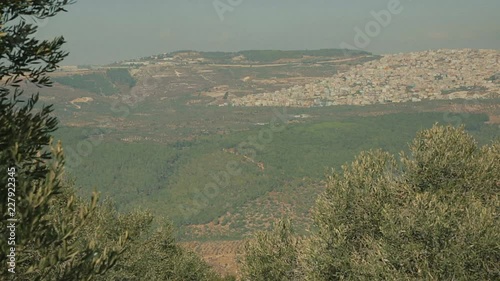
{"x":103,"y":31}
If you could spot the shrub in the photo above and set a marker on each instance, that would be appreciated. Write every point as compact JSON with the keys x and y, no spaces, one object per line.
{"x":272,"y":255}
{"x":432,"y":218}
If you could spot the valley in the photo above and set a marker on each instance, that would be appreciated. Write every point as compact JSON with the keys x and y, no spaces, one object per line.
{"x":164,"y":133}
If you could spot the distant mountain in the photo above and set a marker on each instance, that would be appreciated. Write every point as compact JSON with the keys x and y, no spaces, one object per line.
{"x":254,"y":56}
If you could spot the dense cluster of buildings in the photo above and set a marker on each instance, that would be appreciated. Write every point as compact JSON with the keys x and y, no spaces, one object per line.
{"x":429,"y":75}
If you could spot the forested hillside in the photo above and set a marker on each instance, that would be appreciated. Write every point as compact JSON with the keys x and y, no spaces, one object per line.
{"x":103,"y":83}
{"x":167,"y":178}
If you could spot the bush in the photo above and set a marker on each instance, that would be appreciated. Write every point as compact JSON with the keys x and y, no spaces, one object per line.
{"x":272,"y":255}
{"x":433,"y":218}
{"x":156,"y":256}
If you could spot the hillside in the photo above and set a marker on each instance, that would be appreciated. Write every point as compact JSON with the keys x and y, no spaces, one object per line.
{"x":429,"y":75}
{"x":162,"y":136}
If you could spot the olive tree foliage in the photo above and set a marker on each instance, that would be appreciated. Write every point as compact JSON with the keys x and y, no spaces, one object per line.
{"x":60,"y":236}
{"x":45,"y":241}
{"x":432,"y":215}
{"x":272,"y":255}
{"x":151,"y":253}
{"x":156,"y":256}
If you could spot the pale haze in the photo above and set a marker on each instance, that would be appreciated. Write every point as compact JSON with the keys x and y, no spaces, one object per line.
{"x":101,"y":32}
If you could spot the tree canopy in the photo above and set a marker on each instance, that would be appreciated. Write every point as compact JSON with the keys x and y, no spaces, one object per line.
{"x":428,"y":215}
{"x":54,"y":234}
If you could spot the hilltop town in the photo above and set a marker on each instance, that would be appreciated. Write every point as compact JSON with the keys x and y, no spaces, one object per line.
{"x":429,"y":75}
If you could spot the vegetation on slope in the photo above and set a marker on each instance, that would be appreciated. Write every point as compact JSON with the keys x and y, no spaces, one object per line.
{"x":102,"y":83}
{"x":429,"y":214}
{"x":274,"y":55}
{"x":266,"y":56}
{"x":171,"y":178}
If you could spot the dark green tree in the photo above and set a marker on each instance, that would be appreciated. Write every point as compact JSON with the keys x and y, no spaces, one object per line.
{"x":58,"y":235}
{"x":31,"y":166}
